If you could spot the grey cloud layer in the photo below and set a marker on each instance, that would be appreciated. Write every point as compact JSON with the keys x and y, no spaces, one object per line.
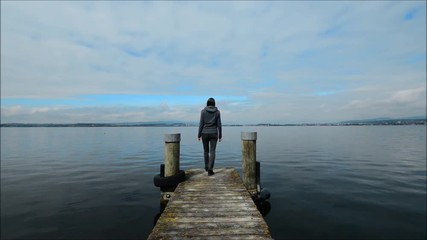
{"x":294,"y":61}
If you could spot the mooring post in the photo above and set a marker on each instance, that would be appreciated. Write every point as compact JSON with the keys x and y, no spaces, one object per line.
{"x":249,"y":161}
{"x":171,"y":165}
{"x":172,"y":154}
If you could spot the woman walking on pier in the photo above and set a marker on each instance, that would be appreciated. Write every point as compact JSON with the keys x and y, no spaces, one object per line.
{"x":210,"y":130}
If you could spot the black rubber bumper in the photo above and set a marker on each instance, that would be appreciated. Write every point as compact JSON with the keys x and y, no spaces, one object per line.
{"x":171,"y":181}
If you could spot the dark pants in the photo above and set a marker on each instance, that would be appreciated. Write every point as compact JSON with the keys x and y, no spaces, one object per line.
{"x":209,"y":146}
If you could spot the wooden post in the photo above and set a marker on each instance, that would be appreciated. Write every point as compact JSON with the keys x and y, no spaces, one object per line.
{"x":249,"y":161}
{"x":172,"y":154}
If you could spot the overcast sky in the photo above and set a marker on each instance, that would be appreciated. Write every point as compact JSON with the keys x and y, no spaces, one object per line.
{"x":275,"y":62}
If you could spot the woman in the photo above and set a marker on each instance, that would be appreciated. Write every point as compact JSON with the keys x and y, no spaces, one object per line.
{"x":210,"y":130}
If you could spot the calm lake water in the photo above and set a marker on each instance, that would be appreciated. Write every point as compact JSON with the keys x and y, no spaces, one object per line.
{"x":365,"y":182}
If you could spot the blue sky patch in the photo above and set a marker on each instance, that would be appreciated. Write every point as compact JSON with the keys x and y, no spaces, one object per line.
{"x":411,"y":14}
{"x":119,"y":99}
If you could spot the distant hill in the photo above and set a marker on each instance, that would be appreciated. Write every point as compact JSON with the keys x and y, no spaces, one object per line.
{"x":418,"y":120}
{"x":123,"y":124}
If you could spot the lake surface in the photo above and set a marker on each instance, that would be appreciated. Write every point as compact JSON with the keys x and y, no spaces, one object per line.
{"x":366,"y":182}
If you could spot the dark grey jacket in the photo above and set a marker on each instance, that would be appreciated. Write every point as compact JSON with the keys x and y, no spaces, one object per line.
{"x":210,"y":121}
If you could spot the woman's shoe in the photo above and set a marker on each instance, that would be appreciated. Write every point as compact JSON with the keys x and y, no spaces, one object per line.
{"x":206,"y":169}
{"x":210,"y":173}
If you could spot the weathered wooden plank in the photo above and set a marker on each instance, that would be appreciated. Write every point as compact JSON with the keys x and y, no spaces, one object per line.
{"x":205,"y":209}
{"x":237,"y":237}
{"x":215,"y":207}
{"x":179,"y":235}
{"x":227,"y":198}
{"x":183,"y":219}
{"x":191,"y":226}
{"x":210,"y":225}
{"x":214,"y":194}
{"x":211,"y":232}
{"x":210,"y":209}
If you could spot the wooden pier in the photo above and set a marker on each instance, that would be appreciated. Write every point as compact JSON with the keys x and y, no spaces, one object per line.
{"x":211,"y":207}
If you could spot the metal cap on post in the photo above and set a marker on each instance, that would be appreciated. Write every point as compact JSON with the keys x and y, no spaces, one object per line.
{"x":249,"y":136}
{"x":249,"y":161}
{"x":173,"y":137}
{"x":172,"y":154}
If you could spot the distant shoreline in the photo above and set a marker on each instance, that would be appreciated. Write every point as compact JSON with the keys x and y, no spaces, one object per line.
{"x":388,"y":122}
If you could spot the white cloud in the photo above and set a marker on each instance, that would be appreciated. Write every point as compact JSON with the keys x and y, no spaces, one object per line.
{"x":409,"y":95}
{"x":276,"y":54}
{"x":409,"y":102}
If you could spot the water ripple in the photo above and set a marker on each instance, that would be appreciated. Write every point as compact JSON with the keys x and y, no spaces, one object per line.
{"x":326,"y":182}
